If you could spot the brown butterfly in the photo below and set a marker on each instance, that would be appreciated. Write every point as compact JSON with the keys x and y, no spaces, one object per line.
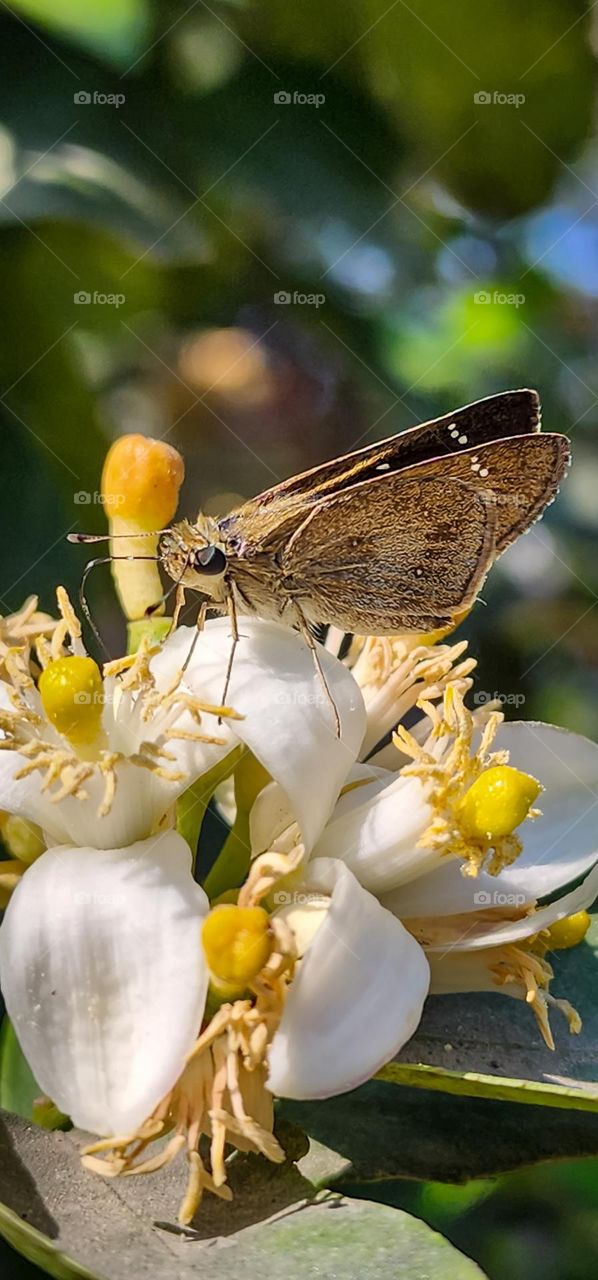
{"x":396,"y":537}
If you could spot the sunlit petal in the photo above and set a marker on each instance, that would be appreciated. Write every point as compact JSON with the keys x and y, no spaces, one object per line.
{"x":357,"y":996}
{"x":288,"y":722}
{"x":103,"y":976}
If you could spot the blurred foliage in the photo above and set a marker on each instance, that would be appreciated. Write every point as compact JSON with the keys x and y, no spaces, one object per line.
{"x":152,"y":164}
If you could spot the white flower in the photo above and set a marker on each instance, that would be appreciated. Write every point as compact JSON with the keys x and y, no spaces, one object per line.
{"x":411,"y":838}
{"x":101,"y":962}
{"x":144,"y":1013}
{"x":100,"y":761}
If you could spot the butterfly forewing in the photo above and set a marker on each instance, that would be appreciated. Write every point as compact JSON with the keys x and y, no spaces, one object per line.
{"x":263,"y":521}
{"x":407,"y":564}
{"x":522,"y":473}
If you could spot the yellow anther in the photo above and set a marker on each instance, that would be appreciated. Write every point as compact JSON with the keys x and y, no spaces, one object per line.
{"x":237,"y":943}
{"x":568,"y":932}
{"x":71,"y":691}
{"x":497,"y":802}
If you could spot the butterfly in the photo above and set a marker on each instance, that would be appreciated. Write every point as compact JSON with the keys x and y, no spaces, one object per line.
{"x":395,"y":537}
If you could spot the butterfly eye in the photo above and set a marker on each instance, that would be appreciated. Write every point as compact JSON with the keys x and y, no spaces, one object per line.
{"x":209,"y":560}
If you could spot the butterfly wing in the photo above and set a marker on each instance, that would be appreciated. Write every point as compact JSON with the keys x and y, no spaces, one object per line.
{"x":406,"y":551}
{"x":406,"y":559}
{"x":259,"y":524}
{"x":523,"y":473}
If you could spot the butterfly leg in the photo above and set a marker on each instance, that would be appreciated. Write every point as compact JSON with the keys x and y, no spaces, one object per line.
{"x":231,"y":609}
{"x":311,"y":644}
{"x":199,"y":626}
{"x":179,"y":605}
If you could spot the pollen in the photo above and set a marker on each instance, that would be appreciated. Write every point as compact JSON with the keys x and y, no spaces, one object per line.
{"x":567,"y":933}
{"x":71,"y":691}
{"x":497,"y":802}
{"x":237,"y":942}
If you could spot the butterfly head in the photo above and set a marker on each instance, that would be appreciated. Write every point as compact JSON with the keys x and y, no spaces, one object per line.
{"x":194,"y":556}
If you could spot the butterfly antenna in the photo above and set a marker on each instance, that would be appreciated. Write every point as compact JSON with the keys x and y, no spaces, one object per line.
{"x":85,"y":609}
{"x":152,"y":608}
{"x":107,"y":537}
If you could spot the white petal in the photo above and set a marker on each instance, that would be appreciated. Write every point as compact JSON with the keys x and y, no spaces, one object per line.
{"x":562,"y":844}
{"x":488,"y":934}
{"x":271,"y":813}
{"x":357,"y":996}
{"x":103,"y":976}
{"x":375,"y":830}
{"x":288,"y":723}
{"x":24,"y":797}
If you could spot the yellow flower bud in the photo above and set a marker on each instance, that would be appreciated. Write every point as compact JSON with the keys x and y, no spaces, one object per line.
{"x":141,"y":481}
{"x":71,"y":690}
{"x":568,"y":932}
{"x":497,"y":802}
{"x":22,"y":838}
{"x":140,"y":488}
{"x":237,"y":943}
{"x":10,"y":874}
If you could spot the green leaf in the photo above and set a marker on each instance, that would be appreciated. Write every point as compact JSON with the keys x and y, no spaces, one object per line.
{"x":384,"y":1131}
{"x":78,"y":1227}
{"x":118,"y":28}
{"x":18,"y":1087}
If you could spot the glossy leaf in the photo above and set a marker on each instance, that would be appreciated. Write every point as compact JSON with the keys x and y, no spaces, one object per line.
{"x":77,"y":1227}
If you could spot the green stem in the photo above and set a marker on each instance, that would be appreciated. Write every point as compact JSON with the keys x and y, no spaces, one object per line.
{"x":192,"y":805}
{"x":156,"y":629}
{"x":232,"y":864}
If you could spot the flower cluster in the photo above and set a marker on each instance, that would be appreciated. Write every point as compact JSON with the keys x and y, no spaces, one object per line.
{"x":376,"y":867}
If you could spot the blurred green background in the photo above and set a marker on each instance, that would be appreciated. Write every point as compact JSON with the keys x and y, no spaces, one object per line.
{"x":269,"y":232}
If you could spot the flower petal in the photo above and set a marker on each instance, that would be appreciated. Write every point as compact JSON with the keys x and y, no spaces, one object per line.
{"x":288,"y":723}
{"x":103,"y":976}
{"x":375,"y":831}
{"x":562,"y":844}
{"x":558,"y":847}
{"x":497,"y":933}
{"x":357,"y":996}
{"x":271,"y":813}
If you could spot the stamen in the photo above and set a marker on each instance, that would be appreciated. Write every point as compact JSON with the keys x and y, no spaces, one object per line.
{"x":533,"y":973}
{"x":463,"y":785}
